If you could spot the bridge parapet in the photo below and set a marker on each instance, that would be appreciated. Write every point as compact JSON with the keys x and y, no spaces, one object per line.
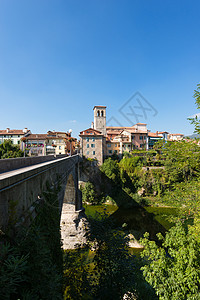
{"x":9,"y":164}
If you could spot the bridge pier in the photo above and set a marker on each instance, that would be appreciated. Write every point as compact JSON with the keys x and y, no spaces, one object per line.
{"x":73,"y":228}
{"x":73,"y":219}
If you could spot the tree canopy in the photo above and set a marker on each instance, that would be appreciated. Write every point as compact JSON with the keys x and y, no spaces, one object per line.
{"x":8,"y":150}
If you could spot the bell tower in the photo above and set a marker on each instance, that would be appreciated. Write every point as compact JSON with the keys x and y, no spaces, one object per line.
{"x":100,"y":118}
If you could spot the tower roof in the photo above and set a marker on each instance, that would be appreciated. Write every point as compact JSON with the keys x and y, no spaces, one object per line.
{"x":99,"y":106}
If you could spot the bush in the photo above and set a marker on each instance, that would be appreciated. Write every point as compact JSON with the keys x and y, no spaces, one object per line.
{"x":89,"y":193}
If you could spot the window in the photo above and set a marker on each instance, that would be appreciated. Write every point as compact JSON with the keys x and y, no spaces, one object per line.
{"x":93,"y":145}
{"x":18,"y":142}
{"x":87,"y":139}
{"x":145,"y":137}
{"x":115,"y":145}
{"x":133,"y":137}
{"x":110,"y":151}
{"x":141,"y":137}
{"x":18,"y":135}
{"x":109,"y":145}
{"x":88,"y":145}
{"x":98,"y":113}
{"x":129,"y":146}
{"x":102,"y":113}
{"x":115,"y":151}
{"x":141,"y":145}
{"x":93,"y":152}
{"x":93,"y":139}
{"x":59,"y":147}
{"x":88,"y":152}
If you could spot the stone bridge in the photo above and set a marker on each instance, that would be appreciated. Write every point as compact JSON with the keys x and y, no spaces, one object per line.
{"x":22,"y":189}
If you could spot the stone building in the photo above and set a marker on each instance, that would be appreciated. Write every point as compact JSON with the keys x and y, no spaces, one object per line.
{"x":92,"y":144}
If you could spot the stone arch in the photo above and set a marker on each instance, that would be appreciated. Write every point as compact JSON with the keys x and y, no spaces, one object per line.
{"x":69,"y":200}
{"x":98,"y":113}
{"x":102,"y":113}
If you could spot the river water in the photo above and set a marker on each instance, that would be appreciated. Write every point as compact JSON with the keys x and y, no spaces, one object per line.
{"x":137,"y":220}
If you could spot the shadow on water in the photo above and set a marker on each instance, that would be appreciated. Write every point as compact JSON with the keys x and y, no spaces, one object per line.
{"x":138,"y":221}
{"x":129,"y":212}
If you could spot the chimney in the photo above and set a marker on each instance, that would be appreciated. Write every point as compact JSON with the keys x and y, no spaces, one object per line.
{"x":25,"y":130}
{"x":7,"y":129}
{"x":92,"y":125}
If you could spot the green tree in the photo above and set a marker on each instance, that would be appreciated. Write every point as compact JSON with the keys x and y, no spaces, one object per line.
{"x":195,"y":121}
{"x":173,"y":269}
{"x":89,"y":193}
{"x":8,"y":150}
{"x":110,"y":168}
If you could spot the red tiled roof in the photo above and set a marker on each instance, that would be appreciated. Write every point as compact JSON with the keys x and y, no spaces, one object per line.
{"x":12,"y":132}
{"x":39,"y":136}
{"x":120,"y":129}
{"x":140,"y":124}
{"x":163,"y":132}
{"x":90,"y":131}
{"x":131,"y":130}
{"x":58,"y":132}
{"x":153,"y":134}
{"x":174,"y":134}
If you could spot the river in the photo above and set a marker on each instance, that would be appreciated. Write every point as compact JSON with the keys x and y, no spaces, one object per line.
{"x":137,"y":220}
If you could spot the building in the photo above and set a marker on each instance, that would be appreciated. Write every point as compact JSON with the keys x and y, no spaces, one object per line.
{"x":175,"y":136}
{"x":92,"y":144}
{"x":126,"y":139}
{"x":51,"y":143}
{"x":155,"y":137}
{"x":101,"y":141}
{"x":14,"y":135}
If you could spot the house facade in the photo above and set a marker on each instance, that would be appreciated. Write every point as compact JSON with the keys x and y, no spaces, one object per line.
{"x":14,"y":135}
{"x":92,"y":144}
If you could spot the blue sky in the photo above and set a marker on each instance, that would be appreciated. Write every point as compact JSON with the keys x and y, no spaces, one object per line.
{"x":59,"y":58}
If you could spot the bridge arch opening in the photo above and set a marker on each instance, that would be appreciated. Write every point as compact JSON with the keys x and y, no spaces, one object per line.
{"x":69,"y":201}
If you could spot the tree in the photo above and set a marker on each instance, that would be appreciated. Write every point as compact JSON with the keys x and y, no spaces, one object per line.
{"x":173,"y":269}
{"x":89,"y":193}
{"x":195,"y":121}
{"x":111,"y":170}
{"x":8,"y":150}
